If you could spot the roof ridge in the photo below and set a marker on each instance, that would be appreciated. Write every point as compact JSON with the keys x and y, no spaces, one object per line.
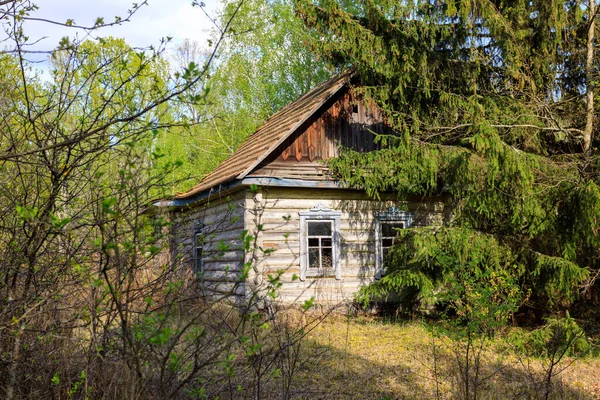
{"x":299,"y":98}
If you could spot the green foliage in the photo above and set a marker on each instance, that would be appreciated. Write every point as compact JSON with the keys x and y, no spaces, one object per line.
{"x":427,"y":265}
{"x":94,"y":305}
{"x":56,"y":379}
{"x":487,"y":103}
{"x":446,"y":63}
{"x":26,"y":213}
{"x":262,"y":66}
{"x":559,"y":336}
{"x":76,"y":386}
{"x":493,"y":189}
{"x":430,"y":266}
{"x":556,"y":277}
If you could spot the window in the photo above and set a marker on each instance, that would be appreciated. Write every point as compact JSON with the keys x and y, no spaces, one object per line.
{"x":199,"y":249}
{"x":320,"y":243}
{"x":389,"y":231}
{"x":387,"y":224}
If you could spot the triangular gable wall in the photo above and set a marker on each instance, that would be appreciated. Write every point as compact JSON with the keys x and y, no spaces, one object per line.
{"x":345,"y":121}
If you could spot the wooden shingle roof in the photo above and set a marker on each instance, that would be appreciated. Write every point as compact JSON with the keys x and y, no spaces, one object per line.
{"x":270,"y":135}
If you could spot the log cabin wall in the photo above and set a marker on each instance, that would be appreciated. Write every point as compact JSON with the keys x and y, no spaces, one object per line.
{"x":221,"y":221}
{"x":345,"y":121}
{"x":277,"y":211}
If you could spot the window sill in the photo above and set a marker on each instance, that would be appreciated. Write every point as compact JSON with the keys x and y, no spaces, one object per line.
{"x":319,"y":275}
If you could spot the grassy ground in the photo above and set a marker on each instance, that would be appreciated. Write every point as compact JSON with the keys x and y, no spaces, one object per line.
{"x":365,"y":358}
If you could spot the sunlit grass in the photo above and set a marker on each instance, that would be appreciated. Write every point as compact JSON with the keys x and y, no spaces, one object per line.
{"x":367,"y":358}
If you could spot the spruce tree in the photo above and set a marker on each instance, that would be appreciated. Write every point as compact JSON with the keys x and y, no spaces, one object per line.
{"x":493,"y":101}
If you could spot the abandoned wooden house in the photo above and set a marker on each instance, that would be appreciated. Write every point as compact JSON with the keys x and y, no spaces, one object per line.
{"x":328,"y":240}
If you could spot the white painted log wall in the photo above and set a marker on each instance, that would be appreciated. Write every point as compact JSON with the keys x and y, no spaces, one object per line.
{"x":277,"y":210}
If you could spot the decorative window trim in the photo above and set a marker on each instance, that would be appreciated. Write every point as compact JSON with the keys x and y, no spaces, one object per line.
{"x":198,"y":249}
{"x":319,"y":213}
{"x":392,"y":214}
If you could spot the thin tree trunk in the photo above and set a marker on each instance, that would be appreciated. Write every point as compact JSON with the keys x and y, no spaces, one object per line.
{"x":589,"y":122}
{"x":12,"y":369}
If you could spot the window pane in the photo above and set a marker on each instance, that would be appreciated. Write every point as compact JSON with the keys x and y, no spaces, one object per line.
{"x":313,"y":258}
{"x":388,"y":229}
{"x":327,"y":255}
{"x":387,"y":242}
{"x":385,"y":252}
{"x":319,"y":242}
{"x":319,"y":228}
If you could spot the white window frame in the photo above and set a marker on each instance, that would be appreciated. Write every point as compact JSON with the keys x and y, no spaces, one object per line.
{"x":320,"y":213}
{"x":392,"y":214}
{"x":198,"y":258}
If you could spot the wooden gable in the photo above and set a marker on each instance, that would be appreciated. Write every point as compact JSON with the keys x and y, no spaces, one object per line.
{"x":345,"y":121}
{"x":268,"y":138}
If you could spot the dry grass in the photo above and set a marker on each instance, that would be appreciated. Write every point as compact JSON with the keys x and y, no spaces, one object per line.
{"x":365,"y":358}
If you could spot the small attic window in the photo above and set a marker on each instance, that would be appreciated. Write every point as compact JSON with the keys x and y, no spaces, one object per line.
{"x":354,"y":108}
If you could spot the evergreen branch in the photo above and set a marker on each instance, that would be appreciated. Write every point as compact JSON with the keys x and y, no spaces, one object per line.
{"x":447,"y":129}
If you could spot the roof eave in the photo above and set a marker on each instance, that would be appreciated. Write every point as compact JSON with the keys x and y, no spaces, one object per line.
{"x":238,"y":184}
{"x":191,"y":196}
{"x":203,"y":195}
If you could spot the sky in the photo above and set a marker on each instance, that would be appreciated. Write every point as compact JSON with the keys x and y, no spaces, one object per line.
{"x":161,"y":18}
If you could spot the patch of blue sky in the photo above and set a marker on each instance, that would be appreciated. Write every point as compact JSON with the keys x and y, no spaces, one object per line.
{"x":160,"y":19}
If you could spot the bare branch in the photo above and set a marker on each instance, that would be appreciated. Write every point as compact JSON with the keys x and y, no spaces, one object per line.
{"x":139,"y":113}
